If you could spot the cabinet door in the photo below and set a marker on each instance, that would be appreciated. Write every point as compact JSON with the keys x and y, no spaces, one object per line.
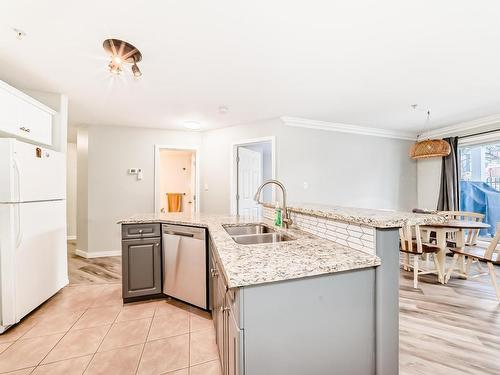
{"x":234,"y":341}
{"x":141,"y":267}
{"x":9,"y":112}
{"x":36,"y":124}
{"x":219,"y":319}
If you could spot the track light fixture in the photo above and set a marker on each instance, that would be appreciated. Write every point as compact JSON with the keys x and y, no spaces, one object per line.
{"x":121,"y":53}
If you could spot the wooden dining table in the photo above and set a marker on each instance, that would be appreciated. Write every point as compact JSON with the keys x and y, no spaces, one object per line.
{"x":451,"y":226}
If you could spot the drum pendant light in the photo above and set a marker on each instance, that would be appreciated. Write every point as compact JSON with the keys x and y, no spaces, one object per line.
{"x":430,"y":148}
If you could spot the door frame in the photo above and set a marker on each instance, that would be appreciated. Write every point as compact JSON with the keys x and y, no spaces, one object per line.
{"x":157,"y":197}
{"x":233,"y":175}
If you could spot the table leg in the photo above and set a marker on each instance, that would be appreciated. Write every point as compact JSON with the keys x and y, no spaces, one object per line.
{"x":441,"y":254}
{"x":460,"y":238}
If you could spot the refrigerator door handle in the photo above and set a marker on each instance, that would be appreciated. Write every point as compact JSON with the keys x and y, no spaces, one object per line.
{"x":19,"y":237}
{"x":18,"y":181}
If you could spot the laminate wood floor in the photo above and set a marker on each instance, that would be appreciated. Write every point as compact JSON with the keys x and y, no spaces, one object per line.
{"x":448,"y":329}
{"x":444,"y":329}
{"x":93,"y":271}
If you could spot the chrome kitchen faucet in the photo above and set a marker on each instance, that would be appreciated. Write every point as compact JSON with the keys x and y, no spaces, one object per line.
{"x":287,"y":221}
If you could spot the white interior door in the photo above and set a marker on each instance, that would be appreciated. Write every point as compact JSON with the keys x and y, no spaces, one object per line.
{"x":249,"y":179}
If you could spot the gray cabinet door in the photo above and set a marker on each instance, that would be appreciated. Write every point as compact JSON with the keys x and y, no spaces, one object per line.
{"x":219,"y":320}
{"x":234,"y":345}
{"x":141,"y":267}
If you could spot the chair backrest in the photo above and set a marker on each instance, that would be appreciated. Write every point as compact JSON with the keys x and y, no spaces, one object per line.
{"x":472,"y":234}
{"x":492,"y":247}
{"x":406,"y":237}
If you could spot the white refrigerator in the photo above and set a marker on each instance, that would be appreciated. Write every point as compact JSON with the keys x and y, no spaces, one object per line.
{"x":33,"y":250}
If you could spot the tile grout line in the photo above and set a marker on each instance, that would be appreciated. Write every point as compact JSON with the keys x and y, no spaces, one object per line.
{"x":146,"y":341}
{"x":103,"y":338}
{"x":58,"y":341}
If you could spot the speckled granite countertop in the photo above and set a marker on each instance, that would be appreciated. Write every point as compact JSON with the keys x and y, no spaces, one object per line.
{"x":365,"y":216}
{"x":245,"y":265}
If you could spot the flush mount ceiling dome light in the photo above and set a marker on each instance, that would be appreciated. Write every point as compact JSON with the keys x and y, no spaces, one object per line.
{"x":121,"y":53}
{"x":193,"y":125}
{"x":429,"y":148}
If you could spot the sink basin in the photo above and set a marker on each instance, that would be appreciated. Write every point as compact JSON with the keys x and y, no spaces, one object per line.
{"x":245,"y":229}
{"x":254,"y":239}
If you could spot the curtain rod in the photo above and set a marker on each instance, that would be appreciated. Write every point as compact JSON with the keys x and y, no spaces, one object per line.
{"x":480,"y":133}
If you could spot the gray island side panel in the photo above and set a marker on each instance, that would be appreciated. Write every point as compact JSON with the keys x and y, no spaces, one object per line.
{"x":387,"y":302}
{"x":320,"y":325}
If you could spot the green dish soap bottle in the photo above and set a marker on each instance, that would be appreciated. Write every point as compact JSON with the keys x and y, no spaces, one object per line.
{"x":278,"y":219}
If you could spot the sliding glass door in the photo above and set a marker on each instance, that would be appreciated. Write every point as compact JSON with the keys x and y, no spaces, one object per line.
{"x":480,"y":181}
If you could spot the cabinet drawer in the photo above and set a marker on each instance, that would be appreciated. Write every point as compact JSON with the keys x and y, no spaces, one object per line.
{"x":140,"y":231}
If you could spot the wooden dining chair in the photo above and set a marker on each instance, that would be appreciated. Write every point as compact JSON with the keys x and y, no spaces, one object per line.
{"x":411,"y":245}
{"x":472,"y":234}
{"x":490,"y":255}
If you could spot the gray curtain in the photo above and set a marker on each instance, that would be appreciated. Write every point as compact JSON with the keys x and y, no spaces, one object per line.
{"x":448,"y":192}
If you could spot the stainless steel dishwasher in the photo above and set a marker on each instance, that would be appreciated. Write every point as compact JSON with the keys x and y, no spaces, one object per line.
{"x":185,"y":264}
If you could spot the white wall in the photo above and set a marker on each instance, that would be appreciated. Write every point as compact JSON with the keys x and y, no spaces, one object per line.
{"x":71,"y":174}
{"x":338,"y":168}
{"x":428,"y":182}
{"x":82,"y":190}
{"x":112,"y":193}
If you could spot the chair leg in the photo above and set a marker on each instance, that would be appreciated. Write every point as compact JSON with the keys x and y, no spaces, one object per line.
{"x":415,"y":271}
{"x":479,"y":267}
{"x":407,"y":261}
{"x":438,"y":268}
{"x":494,"y":279}
{"x":452,"y":267}
{"x":468,"y":265}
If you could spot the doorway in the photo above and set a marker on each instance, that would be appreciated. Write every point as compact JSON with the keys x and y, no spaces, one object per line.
{"x":176,"y":180}
{"x":253,"y":162}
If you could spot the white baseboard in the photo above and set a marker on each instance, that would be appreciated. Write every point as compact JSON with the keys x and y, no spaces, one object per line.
{"x":97,"y":254}
{"x":71,"y":238}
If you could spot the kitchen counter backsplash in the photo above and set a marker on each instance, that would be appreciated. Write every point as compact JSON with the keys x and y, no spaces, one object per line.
{"x":355,"y":236}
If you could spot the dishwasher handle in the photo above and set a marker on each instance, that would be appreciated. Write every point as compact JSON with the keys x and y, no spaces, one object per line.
{"x":184,"y":231}
{"x":178,"y":233}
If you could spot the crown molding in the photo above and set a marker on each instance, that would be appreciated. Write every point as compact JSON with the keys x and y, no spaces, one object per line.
{"x":347,"y":128}
{"x":465,"y":128}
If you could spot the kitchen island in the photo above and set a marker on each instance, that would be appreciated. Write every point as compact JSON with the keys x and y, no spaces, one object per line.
{"x":313,"y":304}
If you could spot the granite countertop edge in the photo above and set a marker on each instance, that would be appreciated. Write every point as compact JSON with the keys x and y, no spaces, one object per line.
{"x":365,"y":216}
{"x":246,"y":265}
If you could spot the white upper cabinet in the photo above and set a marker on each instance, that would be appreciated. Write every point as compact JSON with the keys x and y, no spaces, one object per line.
{"x":23,"y":117}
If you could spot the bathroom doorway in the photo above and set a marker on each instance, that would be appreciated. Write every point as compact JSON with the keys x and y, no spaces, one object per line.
{"x":176,"y":179}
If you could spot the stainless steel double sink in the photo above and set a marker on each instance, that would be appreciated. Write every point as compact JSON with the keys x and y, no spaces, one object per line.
{"x":254,"y":233}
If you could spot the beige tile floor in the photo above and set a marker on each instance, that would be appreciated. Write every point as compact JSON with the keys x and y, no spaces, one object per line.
{"x":85,"y":329}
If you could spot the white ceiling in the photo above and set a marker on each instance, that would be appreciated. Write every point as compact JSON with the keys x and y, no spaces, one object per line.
{"x":355,"y":62}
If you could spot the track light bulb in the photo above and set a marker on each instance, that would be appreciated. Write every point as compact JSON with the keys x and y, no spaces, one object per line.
{"x":115,"y":68}
{"x":136,"y":71}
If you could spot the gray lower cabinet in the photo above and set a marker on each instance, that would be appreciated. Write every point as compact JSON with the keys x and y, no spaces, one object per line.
{"x":227,"y":333}
{"x":318,"y":325}
{"x":141,"y":267}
